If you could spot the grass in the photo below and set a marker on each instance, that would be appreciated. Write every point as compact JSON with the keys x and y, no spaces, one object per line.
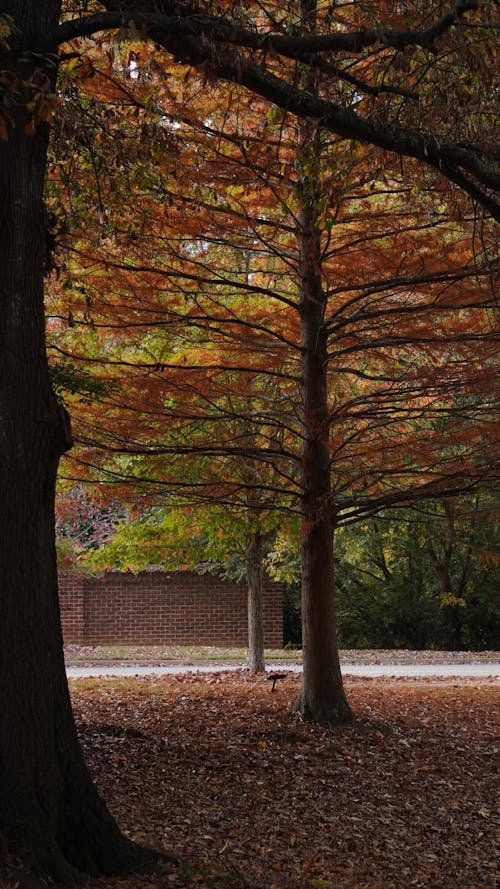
{"x":150,"y":654}
{"x":89,"y":655}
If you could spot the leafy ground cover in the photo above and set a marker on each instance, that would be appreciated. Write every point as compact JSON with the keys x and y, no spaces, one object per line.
{"x":87,"y":655}
{"x":221,"y":770}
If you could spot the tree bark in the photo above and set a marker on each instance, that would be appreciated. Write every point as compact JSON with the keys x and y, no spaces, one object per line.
{"x":50,"y":812}
{"x":256,"y":661}
{"x":322,"y":697}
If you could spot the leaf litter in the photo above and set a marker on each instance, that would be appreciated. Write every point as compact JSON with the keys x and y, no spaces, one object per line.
{"x":224,"y":774}
{"x":92,"y":655}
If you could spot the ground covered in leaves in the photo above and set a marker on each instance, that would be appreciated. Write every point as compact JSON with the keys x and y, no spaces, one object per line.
{"x":89,"y":655}
{"x":222,"y":771}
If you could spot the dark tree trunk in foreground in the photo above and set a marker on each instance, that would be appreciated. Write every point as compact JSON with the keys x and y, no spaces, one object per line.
{"x":322,"y":697}
{"x":256,"y":662}
{"x":50,"y":812}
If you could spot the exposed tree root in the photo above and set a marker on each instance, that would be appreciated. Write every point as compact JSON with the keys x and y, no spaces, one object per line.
{"x":40,"y":868}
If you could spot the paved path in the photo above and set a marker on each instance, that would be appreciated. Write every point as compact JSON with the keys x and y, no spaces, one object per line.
{"x":369,"y":670}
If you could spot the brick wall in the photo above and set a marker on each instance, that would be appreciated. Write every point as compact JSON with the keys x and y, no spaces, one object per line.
{"x":72,"y":605}
{"x":156,"y":607}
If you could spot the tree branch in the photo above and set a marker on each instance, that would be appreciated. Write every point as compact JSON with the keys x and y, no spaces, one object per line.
{"x":194,"y":38}
{"x":188,"y":22}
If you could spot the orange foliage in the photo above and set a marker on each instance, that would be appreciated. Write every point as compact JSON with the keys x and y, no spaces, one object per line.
{"x":182,"y":294}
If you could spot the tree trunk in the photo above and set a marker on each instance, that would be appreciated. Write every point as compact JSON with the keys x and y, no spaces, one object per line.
{"x":50,"y":812}
{"x":322,"y":697}
{"x":451,"y":604}
{"x":256,"y":662}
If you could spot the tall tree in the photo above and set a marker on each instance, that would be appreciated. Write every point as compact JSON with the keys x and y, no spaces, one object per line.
{"x":361,"y":337}
{"x":322,"y":695}
{"x":50,"y":810}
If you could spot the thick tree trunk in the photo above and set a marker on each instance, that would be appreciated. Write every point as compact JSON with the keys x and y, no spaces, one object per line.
{"x":50,"y":812}
{"x":254,"y":551}
{"x":322,"y":697}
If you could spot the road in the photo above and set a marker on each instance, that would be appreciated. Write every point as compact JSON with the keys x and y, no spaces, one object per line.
{"x":478,"y":671}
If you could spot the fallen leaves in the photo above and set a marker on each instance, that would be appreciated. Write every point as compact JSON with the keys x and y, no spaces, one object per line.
{"x":224,"y":773}
{"x":159,"y":654}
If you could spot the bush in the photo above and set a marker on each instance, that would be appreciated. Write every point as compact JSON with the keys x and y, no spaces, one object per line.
{"x":292,"y":618}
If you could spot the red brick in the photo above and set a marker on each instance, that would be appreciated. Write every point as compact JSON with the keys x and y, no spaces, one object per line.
{"x":162,"y":607}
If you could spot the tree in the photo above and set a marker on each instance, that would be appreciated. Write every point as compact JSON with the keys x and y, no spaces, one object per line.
{"x":390,"y":591}
{"x":207,"y":538}
{"x":315,"y":241}
{"x":225,"y":49}
{"x":82,"y":525}
{"x":41,"y":767}
{"x":50,"y":810}
{"x":364,"y":438}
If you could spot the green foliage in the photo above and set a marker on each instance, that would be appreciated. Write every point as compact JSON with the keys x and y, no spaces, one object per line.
{"x":159,"y":537}
{"x":283,"y":566}
{"x":7,"y":30}
{"x":389,"y":590}
{"x":207,"y":539}
{"x":420,"y":579}
{"x":292,"y":616}
{"x":68,"y":379}
{"x":283,"y":561}
{"x":390,"y":593}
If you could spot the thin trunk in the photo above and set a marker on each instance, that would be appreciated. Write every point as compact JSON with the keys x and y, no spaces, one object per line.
{"x":450,"y":602}
{"x":471,"y":546}
{"x":442,"y":560}
{"x":256,"y":662}
{"x":50,"y":812}
{"x":380,"y":562}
